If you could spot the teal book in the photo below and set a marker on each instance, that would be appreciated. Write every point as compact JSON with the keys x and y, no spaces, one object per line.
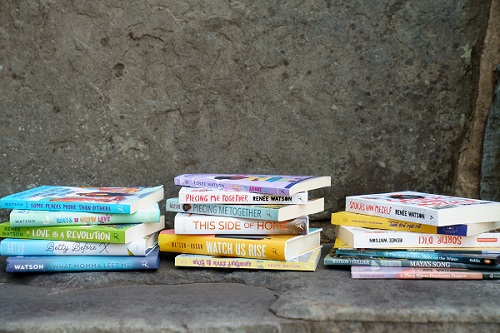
{"x":113,"y":200}
{"x":256,"y":212}
{"x":40,"y":264}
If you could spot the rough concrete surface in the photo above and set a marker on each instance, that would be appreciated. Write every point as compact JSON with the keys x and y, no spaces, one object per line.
{"x":211,"y":300}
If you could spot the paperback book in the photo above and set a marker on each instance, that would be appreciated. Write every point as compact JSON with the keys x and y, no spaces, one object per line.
{"x":357,"y":237}
{"x":112,"y":233}
{"x":377,"y":222}
{"x":37,"y":264}
{"x":268,"y":184}
{"x":418,"y":273}
{"x":113,"y":200}
{"x":306,"y":262}
{"x":32,"y":218}
{"x":40,"y":247}
{"x":432,"y":209}
{"x":272,"y":247}
{"x":267,"y":212}
{"x":207,"y":224}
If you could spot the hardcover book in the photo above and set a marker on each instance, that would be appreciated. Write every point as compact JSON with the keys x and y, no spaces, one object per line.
{"x":40,"y":247}
{"x":38,"y":264}
{"x":31,"y":218}
{"x":113,"y":200}
{"x":208,"y":224}
{"x":267,"y":212}
{"x":306,"y":262}
{"x":418,"y":273}
{"x":111,"y":233}
{"x":272,"y":247}
{"x":377,"y":222}
{"x":432,"y":209}
{"x":195,"y":195}
{"x":268,"y":184}
{"x":375,"y":238}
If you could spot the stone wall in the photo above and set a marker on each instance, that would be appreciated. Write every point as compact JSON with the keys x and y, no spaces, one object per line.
{"x":377,"y":94}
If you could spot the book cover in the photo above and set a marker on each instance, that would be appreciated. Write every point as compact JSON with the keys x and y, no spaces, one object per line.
{"x":334,"y":259}
{"x":432,"y":209}
{"x":112,"y":233}
{"x":267,"y":212}
{"x":196,"y":195}
{"x":207,"y":224}
{"x":113,"y":200}
{"x":417,"y":273}
{"x":358,"y":237}
{"x":272,"y":247}
{"x":268,"y":184}
{"x":31,"y":218}
{"x":39,"y":264}
{"x":306,"y":262}
{"x":39,"y":247}
{"x":377,"y":222}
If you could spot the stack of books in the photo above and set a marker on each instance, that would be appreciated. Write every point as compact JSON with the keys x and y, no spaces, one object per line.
{"x":64,"y":228}
{"x":414,"y":235}
{"x":245,"y":221}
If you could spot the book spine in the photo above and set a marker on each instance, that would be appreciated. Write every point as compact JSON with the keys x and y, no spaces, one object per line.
{"x":391,"y":210}
{"x":246,"y":263}
{"x":24,"y":264}
{"x":405,"y":273}
{"x":30,"y":218}
{"x":37,"y":247}
{"x":377,"y":222}
{"x":261,"y":248}
{"x":114,"y":208}
{"x":189,"y":196}
{"x":243,"y":211}
{"x":418,"y":255}
{"x":64,"y":233}
{"x":408,"y":239}
{"x":207,"y":224}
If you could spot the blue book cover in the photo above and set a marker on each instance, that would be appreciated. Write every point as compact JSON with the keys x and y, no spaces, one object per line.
{"x":41,"y":264}
{"x":116,"y":200}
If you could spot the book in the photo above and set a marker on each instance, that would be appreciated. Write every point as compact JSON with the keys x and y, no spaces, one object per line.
{"x":195,"y":195}
{"x":110,"y":233}
{"x":377,"y":222}
{"x":32,"y":218}
{"x":305,"y":262}
{"x":417,"y":273}
{"x":40,"y":247}
{"x":272,"y":247}
{"x":38,"y":264}
{"x":432,"y":209}
{"x":334,"y":259}
{"x":116,"y":200}
{"x":267,"y":212}
{"x":208,"y":224}
{"x":269,"y":184}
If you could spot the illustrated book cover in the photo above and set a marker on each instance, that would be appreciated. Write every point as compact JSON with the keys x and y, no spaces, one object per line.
{"x":418,"y":273}
{"x":306,"y":262}
{"x":269,"y":212}
{"x":268,"y":184}
{"x":432,"y":209}
{"x":207,"y":224}
{"x":358,"y":237}
{"x":110,"y":233}
{"x":273,"y":247}
{"x":31,"y":218}
{"x":39,"y":264}
{"x":40,"y":247}
{"x":115,"y":200}
{"x":377,"y":222}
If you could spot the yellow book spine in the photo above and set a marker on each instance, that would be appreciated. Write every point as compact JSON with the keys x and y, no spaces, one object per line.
{"x":376,"y":222}
{"x":266,"y":247}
